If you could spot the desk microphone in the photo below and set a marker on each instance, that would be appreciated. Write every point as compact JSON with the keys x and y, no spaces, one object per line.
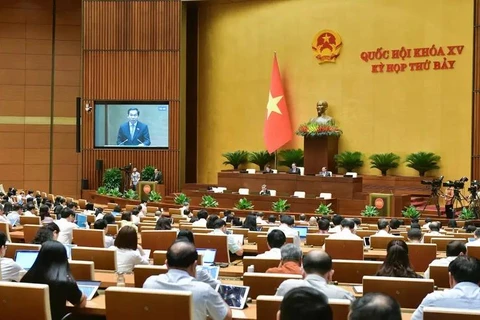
{"x":121,"y":143}
{"x":139,"y":141}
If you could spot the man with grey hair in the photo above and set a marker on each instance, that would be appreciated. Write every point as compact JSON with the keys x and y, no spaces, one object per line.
{"x":291,"y":261}
{"x":318,"y":272}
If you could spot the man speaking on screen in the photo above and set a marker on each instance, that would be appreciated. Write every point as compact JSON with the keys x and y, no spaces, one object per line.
{"x":133,"y":132}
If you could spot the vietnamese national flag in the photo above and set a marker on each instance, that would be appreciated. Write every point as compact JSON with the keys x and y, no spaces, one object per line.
{"x":278,"y":129}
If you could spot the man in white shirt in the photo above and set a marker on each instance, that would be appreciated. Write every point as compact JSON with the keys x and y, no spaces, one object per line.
{"x":464,"y":276}
{"x":202,"y":216}
{"x":434,"y":228}
{"x":426,"y":226}
{"x":66,"y":226}
{"x":383,"y":229}
{"x":181,"y":263}
{"x":102,"y":225}
{"x":455,"y":248}
{"x":220,"y":228}
{"x":260,"y":220}
{"x":347,"y":231}
{"x":286,"y":225}
{"x":185,"y":210}
{"x":135,"y":178}
{"x":30,"y":210}
{"x":275,"y":239}
{"x":4,"y":219}
{"x":14,"y":215}
{"x":476,"y":242}
{"x":336,"y":220}
{"x":9,"y":268}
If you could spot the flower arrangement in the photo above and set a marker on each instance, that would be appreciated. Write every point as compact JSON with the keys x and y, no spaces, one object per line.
{"x":314,"y":129}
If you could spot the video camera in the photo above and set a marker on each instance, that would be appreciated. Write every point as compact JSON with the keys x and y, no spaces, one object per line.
{"x":435,"y":183}
{"x":457,"y":184}
{"x":127,"y":168}
{"x":474,"y":186}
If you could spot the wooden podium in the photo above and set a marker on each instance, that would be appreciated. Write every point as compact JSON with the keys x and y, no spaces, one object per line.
{"x":319,"y":152}
{"x":145,"y":187}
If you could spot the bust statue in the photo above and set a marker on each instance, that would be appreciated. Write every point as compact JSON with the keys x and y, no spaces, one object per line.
{"x":322,"y":118}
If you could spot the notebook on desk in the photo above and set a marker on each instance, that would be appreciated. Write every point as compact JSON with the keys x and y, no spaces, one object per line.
{"x":26,"y":258}
{"x":358,"y":289}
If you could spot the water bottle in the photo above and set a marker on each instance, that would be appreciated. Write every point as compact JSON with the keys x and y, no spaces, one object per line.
{"x":251,"y":268}
{"x":120,"y":279}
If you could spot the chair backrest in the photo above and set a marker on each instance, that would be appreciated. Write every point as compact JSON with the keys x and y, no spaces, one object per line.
{"x":259,"y":264}
{"x":157,"y":239}
{"x":104,"y":259}
{"x":111,"y":205}
{"x":174,"y":211}
{"x":462,"y":235}
{"x":201,"y":230}
{"x":474,"y":251}
{"x":407,"y":291}
{"x":365,"y":233}
{"x":353,"y":271}
{"x":152,"y":209}
{"x":135,"y":303}
{"x":82,"y":203}
{"x":177,"y":218}
{"x":251,"y":171}
{"x":299,"y":194}
{"x":316,"y":239}
{"x":244,"y":191}
{"x":23,"y":300}
{"x":159,"y":257}
{"x":252,"y":236}
{"x":13,"y":247}
{"x":262,"y":243}
{"x":215,"y":241}
{"x":379,"y":242}
{"x":421,"y":255}
{"x":30,"y":231}
{"x":89,"y":238}
{"x":112,"y":229}
{"x":443,"y":242}
{"x":325,"y":195}
{"x":432,"y":313}
{"x":273,"y":193}
{"x":143,"y":272}
{"x":82,"y":270}
{"x":4,"y":227}
{"x":265,"y":283}
{"x":29,"y":220}
{"x":344,"y":249}
{"x":238,"y":230}
{"x":427,"y":238}
{"x":439,"y":274}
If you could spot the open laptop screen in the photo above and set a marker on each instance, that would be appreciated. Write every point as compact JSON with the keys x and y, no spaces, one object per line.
{"x":302,"y":231}
{"x":89,"y":288}
{"x":208,"y":255}
{"x":26,"y":258}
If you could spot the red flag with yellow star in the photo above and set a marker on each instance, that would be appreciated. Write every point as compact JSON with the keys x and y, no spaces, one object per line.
{"x":277,"y":129}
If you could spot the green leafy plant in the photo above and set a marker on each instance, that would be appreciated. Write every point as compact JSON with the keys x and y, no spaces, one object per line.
{"x":467,"y":214}
{"x":112,"y":178}
{"x":181,"y":198}
{"x":244,"y":204}
{"x":102,"y":190}
{"x":261,"y":158}
{"x":411,"y":212}
{"x":349,"y":160}
{"x":209,"y":202}
{"x":324,"y":209}
{"x":423,"y":162}
{"x":280,"y":206}
{"x":384,"y":162}
{"x":290,"y":156}
{"x":115,"y":192}
{"x":130,"y":194}
{"x":235,"y":158}
{"x":154,"y":196}
{"x":369,"y":211}
{"x":148,"y":173}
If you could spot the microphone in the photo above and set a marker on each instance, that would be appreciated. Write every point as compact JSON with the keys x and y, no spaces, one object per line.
{"x":121,"y":143}
{"x":139,"y":141}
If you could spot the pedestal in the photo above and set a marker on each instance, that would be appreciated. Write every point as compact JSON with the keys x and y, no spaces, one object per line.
{"x":144,"y":188}
{"x":319,"y":152}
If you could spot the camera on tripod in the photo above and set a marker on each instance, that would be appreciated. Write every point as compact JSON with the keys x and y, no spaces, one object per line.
{"x":474,"y":186}
{"x":457,"y":184}
{"x":435,"y":183}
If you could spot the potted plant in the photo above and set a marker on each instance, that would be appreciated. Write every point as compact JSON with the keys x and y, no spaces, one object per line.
{"x":235,"y":158}
{"x":209,"y":202}
{"x":324,"y":209}
{"x":423,"y":162}
{"x":261,"y":158}
{"x":154,"y":196}
{"x":384,"y":161}
{"x":467,"y":214}
{"x":290,"y":156}
{"x":244,"y":204}
{"x":280,"y":206}
{"x":112,"y":178}
{"x":181,"y":198}
{"x":369,"y":211}
{"x":148,"y":173}
{"x":102,"y":190}
{"x":115,"y":192}
{"x":411,"y":212}
{"x":349,"y":160}
{"x":130,"y":194}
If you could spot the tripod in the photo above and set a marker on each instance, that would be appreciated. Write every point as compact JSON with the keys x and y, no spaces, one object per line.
{"x":458,"y":198}
{"x":434,"y":197}
{"x":474,"y":204}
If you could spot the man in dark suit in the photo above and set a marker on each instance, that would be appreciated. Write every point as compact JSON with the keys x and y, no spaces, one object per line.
{"x":158,"y":176}
{"x":133,"y":132}
{"x":294,"y":169}
{"x":264,"y":191}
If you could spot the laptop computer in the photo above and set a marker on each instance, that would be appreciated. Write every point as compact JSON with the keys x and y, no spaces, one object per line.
{"x":89,"y":288}
{"x":234,"y":296}
{"x":69,"y":247}
{"x":26,"y":258}
{"x":214,"y":271}
{"x":238,"y":238}
{"x":302,"y":231}
{"x":208,"y":255}
{"x":81,"y":220}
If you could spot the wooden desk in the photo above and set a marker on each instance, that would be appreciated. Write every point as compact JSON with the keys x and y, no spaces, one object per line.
{"x":339,"y":187}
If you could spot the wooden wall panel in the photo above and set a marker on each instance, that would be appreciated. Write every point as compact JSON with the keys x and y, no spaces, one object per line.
{"x":476,"y":96}
{"x":131,"y":51}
